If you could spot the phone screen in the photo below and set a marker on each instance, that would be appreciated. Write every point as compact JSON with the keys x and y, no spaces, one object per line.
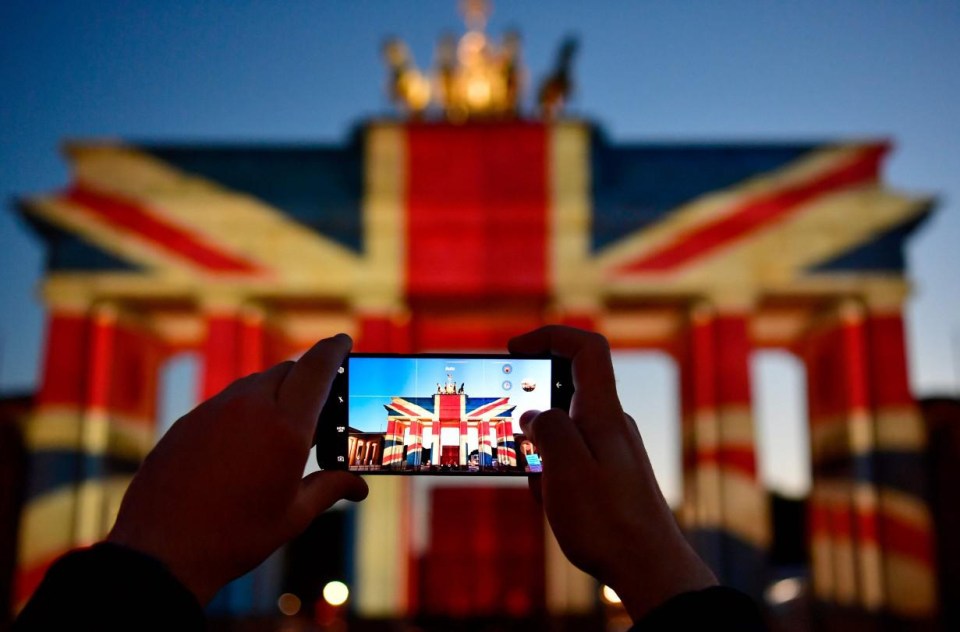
{"x":438,"y":414}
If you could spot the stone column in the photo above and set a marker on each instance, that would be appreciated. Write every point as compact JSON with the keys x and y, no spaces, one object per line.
{"x":234,"y":343}
{"x":464,"y":449}
{"x":92,"y":424}
{"x":725,"y":509}
{"x":506,"y":445}
{"x":871,"y":535}
{"x":393,"y":445}
{"x":843,"y":503}
{"x":485,"y":452}
{"x":416,"y":443}
{"x":437,"y":447}
{"x":905,"y":526}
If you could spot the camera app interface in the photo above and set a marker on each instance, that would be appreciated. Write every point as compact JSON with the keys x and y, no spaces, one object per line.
{"x":451,"y":415}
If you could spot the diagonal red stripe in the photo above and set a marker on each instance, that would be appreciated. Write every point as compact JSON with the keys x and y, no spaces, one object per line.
{"x":135,"y":218}
{"x":487,"y":407}
{"x":757,"y":213}
{"x":741,"y":459}
{"x":406,"y":410}
{"x":890,"y":532}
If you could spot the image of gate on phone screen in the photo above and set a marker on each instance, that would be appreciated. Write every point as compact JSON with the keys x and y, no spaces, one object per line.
{"x":442,"y":415}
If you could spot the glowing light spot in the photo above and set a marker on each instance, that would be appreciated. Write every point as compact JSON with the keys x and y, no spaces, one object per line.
{"x":336,"y":593}
{"x":470,"y":48}
{"x":478,"y":92}
{"x":609,"y":595}
{"x":289,"y":604}
{"x":418,"y":91}
{"x":784,"y":590}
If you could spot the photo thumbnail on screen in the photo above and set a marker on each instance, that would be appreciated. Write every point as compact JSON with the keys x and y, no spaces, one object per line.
{"x":444,"y":414}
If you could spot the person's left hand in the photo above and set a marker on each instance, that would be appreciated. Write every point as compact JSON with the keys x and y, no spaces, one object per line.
{"x":223,"y":488}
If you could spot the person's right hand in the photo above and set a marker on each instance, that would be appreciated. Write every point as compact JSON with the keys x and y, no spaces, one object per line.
{"x":598,"y":489}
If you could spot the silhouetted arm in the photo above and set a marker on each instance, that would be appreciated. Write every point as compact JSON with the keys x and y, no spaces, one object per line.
{"x":109,"y":587}
{"x":714,"y":608}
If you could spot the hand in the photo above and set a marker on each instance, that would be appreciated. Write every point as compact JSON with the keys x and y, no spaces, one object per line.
{"x":598,"y":489}
{"x":223,"y":488}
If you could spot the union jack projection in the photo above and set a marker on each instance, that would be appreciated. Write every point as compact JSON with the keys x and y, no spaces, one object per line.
{"x":436,"y":236}
{"x":486,"y":417}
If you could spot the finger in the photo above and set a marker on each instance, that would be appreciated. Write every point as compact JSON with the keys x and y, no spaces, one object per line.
{"x":589,"y":354}
{"x":525,"y":420}
{"x":305,"y":388}
{"x":257,"y":380}
{"x":632,"y":425}
{"x":271,"y":379}
{"x":560,"y":444}
{"x":567,"y":461}
{"x":595,"y":406}
{"x":319,"y":491}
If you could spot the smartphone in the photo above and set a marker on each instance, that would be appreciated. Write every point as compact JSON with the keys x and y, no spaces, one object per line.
{"x":438,"y":414}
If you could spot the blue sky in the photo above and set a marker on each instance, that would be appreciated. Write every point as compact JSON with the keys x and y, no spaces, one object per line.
{"x":308,"y":71}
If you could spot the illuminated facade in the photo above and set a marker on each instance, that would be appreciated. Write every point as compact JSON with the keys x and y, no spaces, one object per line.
{"x":427,"y":236}
{"x":416,"y":426}
{"x":702,"y":252}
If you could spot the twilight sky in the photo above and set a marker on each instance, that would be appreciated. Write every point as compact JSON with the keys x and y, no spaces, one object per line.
{"x":307,"y":71}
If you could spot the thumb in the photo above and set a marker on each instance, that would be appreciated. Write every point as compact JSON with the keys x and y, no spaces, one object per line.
{"x":526,"y":423}
{"x":319,"y":491}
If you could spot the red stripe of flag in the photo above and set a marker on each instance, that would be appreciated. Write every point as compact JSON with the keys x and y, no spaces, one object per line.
{"x":819,"y":517}
{"x":757,"y":213}
{"x":449,"y":407}
{"x":67,"y":371}
{"x":135,"y":218}
{"x":855,"y":365}
{"x":888,"y":361}
{"x":222,"y":349}
{"x":732,"y":349}
{"x":893,"y":534}
{"x":902,"y":537}
{"x":409,"y":412}
{"x":740,"y":459}
{"x":476,"y":210}
{"x":65,"y":361}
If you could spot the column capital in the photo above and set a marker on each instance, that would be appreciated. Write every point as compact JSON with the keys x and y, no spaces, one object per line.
{"x":702,"y":311}
{"x":729,"y":301}
{"x":379,"y":305}
{"x":252,"y":313}
{"x":579,"y":304}
{"x":105,"y":311}
{"x":230,"y":302}
{"x":736,"y":302}
{"x":70,"y":297}
{"x":851,"y":311}
{"x":216,"y":302}
{"x":885,"y":295}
